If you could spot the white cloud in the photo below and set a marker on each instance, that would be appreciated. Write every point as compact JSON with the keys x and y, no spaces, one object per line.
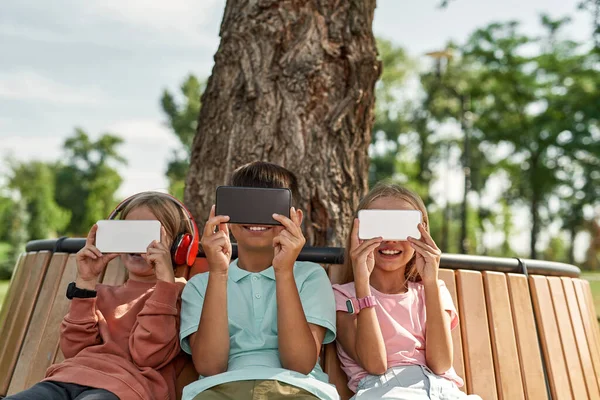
{"x":175,"y":17}
{"x":45,"y":148}
{"x":148,"y":145}
{"x":34,"y":33}
{"x":30,"y":85}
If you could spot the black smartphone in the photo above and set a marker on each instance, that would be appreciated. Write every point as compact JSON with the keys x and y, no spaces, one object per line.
{"x":252,"y":206}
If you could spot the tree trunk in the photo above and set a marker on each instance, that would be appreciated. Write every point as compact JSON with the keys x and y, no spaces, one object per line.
{"x":293,"y":83}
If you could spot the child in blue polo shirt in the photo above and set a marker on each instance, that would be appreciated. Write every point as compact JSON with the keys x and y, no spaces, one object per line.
{"x":277,"y":311}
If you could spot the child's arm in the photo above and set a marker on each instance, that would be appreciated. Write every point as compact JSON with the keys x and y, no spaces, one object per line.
{"x":79,"y":328}
{"x":210,"y":343}
{"x":438,"y":341}
{"x":299,"y":341}
{"x":154,"y":342}
{"x":360,"y":336}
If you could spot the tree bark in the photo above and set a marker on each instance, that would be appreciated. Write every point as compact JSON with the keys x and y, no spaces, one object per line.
{"x":293,"y":83}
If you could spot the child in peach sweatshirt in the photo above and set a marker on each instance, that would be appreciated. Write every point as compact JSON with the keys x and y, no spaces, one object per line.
{"x":121,"y":342}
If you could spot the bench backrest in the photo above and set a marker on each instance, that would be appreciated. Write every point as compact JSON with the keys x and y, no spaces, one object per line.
{"x":519,"y":338}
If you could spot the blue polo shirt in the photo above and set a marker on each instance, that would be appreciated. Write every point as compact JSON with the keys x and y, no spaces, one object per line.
{"x":252,"y":312}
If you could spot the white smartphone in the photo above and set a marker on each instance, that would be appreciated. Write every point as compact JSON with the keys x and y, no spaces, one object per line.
{"x":121,"y":236}
{"x":389,"y":224}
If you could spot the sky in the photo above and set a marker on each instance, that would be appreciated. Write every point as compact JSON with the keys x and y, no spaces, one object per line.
{"x":102,"y":65}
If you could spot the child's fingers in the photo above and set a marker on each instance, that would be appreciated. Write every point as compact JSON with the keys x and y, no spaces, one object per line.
{"x":288,"y":224}
{"x":212,"y":223}
{"x":91,"y":237}
{"x":426,"y":236}
{"x":94,"y":250}
{"x":424,"y":246}
{"x":424,"y":250}
{"x":368,"y":243}
{"x":224,"y":227}
{"x":354,"y":241}
{"x":295,"y":217}
{"x":90,"y":254}
{"x":368,"y":249}
{"x":110,"y":257}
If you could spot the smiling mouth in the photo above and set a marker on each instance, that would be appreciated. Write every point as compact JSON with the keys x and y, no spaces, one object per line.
{"x":388,"y":252}
{"x":257,"y":228}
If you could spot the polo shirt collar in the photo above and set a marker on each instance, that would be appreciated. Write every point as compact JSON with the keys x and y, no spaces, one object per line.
{"x":237,"y":274}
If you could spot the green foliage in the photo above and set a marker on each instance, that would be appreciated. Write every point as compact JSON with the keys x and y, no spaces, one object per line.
{"x":6,"y":204}
{"x":183,"y":120}
{"x":34,"y":182}
{"x":538,"y":105}
{"x":87,"y":182}
{"x":17,"y":223}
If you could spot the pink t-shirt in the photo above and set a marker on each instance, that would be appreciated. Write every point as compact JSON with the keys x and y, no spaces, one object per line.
{"x":402,"y":321}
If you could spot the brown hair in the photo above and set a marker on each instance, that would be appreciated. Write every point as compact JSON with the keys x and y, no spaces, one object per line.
{"x":387,"y":189}
{"x":263,"y":174}
{"x":166,"y":210}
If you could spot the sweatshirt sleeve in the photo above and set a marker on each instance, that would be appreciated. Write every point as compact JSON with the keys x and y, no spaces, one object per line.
{"x":79,"y":328}
{"x":154,"y":341}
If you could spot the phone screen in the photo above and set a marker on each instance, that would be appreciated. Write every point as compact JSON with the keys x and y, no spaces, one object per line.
{"x":122,"y":236}
{"x":389,"y":224}
{"x":252,"y":206}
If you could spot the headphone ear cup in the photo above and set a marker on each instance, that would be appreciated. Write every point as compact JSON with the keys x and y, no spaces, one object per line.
{"x":179,"y":249}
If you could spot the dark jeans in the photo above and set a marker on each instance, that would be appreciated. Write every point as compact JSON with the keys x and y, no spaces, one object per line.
{"x":62,"y":391}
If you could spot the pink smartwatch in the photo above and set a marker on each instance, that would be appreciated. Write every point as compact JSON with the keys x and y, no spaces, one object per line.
{"x":354,"y":305}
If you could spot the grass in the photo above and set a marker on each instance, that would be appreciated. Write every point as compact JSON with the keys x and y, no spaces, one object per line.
{"x":594,"y":279}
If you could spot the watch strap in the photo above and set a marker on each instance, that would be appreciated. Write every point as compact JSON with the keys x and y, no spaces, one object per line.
{"x":354,"y":305}
{"x":74,"y":292}
{"x":366,"y":302}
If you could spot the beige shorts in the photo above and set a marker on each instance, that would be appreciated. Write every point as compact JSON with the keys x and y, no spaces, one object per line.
{"x":255,"y":390}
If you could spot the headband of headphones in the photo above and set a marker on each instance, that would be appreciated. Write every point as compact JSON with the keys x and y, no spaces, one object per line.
{"x":185,"y":247}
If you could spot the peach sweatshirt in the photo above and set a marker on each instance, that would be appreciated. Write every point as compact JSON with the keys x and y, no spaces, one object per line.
{"x":125,"y":340}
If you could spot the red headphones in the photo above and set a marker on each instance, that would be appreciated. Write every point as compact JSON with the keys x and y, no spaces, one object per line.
{"x":185,"y":246}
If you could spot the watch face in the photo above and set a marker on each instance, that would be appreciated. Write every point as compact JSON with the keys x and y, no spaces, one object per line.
{"x":350,"y":306}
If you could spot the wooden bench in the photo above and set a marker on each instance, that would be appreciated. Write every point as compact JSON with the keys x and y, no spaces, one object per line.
{"x":520,"y":336}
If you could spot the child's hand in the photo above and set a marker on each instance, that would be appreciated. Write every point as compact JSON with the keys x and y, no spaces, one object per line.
{"x":216,"y":245}
{"x":361,"y":254}
{"x":289,"y":242}
{"x":427,"y":256}
{"x":158,"y":255}
{"x":91,"y":262}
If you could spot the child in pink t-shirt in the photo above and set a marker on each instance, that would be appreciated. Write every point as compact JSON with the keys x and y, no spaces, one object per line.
{"x":397,"y":343}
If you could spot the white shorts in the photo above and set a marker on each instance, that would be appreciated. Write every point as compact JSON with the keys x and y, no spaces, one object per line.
{"x":411,"y":382}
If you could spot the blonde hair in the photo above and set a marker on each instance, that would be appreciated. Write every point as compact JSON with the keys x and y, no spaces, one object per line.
{"x":167,"y":212}
{"x":387,"y":189}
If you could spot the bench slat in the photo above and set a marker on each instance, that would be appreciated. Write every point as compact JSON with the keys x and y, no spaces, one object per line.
{"x":51,"y":333}
{"x":565,"y":329}
{"x":550,"y":339}
{"x":504,"y":344}
{"x":332,"y":365}
{"x":530,"y":358}
{"x":18,"y":325}
{"x":587,"y":290}
{"x":16,"y":280}
{"x":34,"y":336}
{"x":479,"y":364}
{"x":447,"y":275}
{"x":580,"y":339}
{"x":588,"y":324}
